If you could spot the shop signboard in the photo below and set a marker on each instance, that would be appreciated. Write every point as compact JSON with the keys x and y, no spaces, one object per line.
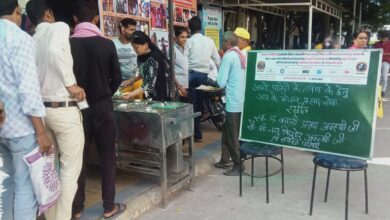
{"x":190,"y":4}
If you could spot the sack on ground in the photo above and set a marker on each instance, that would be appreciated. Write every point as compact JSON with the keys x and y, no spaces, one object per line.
{"x":44,"y":179}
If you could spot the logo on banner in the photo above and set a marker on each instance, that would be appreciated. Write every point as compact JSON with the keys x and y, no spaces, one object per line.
{"x":260,"y":66}
{"x":361,"y":67}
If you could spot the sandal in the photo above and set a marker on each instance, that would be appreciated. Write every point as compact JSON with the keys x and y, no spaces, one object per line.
{"x":77,"y":216}
{"x":120,"y":209}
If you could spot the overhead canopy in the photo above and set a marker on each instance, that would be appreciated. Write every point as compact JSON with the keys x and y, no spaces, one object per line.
{"x":280,"y":7}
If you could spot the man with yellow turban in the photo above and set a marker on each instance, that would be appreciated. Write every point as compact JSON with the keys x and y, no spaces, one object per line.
{"x":243,"y":39}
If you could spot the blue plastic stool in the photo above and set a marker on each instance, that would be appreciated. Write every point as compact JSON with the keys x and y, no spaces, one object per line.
{"x":334,"y":162}
{"x":251,"y":150}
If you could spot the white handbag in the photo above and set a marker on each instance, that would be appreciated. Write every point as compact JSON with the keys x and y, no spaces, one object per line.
{"x":44,"y":179}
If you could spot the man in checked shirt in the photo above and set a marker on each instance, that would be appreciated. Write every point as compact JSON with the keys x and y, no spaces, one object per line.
{"x":23,"y":130}
{"x":2,"y":113}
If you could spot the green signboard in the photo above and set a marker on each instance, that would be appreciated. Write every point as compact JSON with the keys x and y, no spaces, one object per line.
{"x":321,"y":101}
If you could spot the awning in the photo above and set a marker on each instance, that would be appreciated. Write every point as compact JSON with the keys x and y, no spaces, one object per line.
{"x":281,"y":7}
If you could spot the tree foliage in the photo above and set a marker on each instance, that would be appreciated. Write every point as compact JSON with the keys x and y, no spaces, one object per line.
{"x":375,"y":13}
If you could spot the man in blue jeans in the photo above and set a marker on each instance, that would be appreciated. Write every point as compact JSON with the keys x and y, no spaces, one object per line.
{"x":2,"y":113}
{"x":23,"y":129}
{"x":201,"y":50}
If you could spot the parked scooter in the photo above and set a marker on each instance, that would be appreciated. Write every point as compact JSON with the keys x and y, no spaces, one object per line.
{"x":213,"y":106}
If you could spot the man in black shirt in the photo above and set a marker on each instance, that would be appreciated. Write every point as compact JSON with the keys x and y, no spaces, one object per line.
{"x":97,"y":70}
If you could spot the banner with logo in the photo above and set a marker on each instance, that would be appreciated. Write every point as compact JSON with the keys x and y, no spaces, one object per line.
{"x":322,"y":101}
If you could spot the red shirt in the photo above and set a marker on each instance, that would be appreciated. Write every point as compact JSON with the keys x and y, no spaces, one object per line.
{"x":378,"y":44}
{"x":386,"y":49}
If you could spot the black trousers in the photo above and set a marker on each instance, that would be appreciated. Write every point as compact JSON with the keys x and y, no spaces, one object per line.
{"x":230,"y":144}
{"x":99,"y":125}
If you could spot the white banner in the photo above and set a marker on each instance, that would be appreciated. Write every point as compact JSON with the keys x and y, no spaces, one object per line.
{"x":325,"y":66}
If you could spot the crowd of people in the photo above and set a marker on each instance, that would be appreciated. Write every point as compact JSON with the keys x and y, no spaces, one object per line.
{"x":196,"y":59}
{"x":360,"y":41}
{"x":44,"y":79}
{"x":47,"y":78}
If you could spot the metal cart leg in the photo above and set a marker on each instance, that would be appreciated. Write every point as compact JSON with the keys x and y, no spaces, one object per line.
{"x":191,"y":162}
{"x":164,"y":178}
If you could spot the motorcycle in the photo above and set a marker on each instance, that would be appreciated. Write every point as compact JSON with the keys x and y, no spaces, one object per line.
{"x":213,"y":106}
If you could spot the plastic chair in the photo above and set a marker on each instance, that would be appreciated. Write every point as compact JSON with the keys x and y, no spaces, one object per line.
{"x":334,"y":162}
{"x":251,"y":150}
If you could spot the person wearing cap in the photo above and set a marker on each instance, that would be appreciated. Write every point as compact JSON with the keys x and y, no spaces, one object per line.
{"x":231,"y":77}
{"x":243,"y":39}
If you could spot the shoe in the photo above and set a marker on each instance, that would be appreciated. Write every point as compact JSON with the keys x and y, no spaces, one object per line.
{"x":198,"y":140}
{"x":222,"y":165}
{"x":235,"y":171}
{"x":120,"y":209}
{"x":77,"y":216}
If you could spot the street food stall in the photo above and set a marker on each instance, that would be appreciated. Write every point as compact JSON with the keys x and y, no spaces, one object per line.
{"x":150,"y":139}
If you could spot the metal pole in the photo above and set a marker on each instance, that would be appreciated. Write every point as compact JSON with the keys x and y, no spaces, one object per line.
{"x":223,"y":21}
{"x":310,"y":27}
{"x":360,"y":15}
{"x":171,"y":49}
{"x":284,"y":32}
{"x":340,"y":29}
{"x":353,"y":16}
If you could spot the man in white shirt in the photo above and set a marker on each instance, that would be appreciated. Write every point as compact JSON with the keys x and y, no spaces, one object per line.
{"x":212,"y":77}
{"x":201,"y":50}
{"x":60,"y":95}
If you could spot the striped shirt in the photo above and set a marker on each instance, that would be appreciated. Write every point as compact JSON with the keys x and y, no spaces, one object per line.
{"x":19,"y":86}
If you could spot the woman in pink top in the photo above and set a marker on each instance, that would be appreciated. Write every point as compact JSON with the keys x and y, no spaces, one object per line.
{"x":360,"y":39}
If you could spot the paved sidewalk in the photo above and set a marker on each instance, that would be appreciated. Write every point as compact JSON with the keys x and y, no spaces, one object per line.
{"x":141,"y":193}
{"x":215,"y":196}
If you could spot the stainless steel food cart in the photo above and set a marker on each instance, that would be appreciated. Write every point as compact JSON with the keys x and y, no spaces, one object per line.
{"x":149,"y":141}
